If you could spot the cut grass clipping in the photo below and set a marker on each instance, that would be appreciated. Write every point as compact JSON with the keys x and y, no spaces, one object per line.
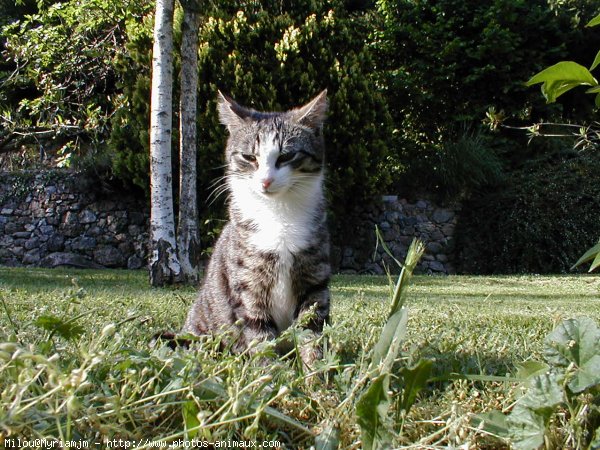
{"x":77,"y":366}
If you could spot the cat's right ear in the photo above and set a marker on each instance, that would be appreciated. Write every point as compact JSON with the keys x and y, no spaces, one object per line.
{"x":231,"y":114}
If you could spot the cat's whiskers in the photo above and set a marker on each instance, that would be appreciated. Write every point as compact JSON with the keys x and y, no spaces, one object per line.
{"x":217,"y":180}
{"x":304,"y":184}
{"x":221,"y":188}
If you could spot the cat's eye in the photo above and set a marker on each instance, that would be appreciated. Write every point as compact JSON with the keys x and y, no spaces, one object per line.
{"x":249,"y":157}
{"x":284,"y":158}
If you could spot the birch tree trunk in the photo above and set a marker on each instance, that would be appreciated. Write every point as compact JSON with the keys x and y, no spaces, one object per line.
{"x":164,"y":265}
{"x":188,"y":235}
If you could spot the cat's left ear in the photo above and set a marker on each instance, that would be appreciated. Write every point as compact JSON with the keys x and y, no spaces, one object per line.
{"x":312,"y":114}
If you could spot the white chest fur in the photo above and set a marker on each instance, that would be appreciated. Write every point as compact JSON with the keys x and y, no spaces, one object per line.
{"x":283,"y":302}
{"x":283,"y":226}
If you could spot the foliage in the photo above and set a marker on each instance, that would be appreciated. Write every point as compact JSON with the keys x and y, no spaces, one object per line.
{"x":559,"y":79}
{"x":566,"y":75}
{"x":465,"y":163}
{"x":593,"y":254}
{"x":226,"y":398}
{"x":536,"y":222}
{"x":563,"y":391}
{"x":63,"y":88}
{"x":97,"y":94}
{"x":468,"y":164}
{"x":129,"y":142}
{"x":374,"y":403}
{"x":442,"y":66}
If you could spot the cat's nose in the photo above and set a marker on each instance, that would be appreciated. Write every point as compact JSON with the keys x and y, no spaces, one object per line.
{"x":266,"y":182}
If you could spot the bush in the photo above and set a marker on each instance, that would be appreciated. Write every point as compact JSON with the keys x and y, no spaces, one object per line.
{"x":540,"y":221}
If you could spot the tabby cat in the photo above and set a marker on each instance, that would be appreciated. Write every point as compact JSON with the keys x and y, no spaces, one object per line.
{"x":270,"y":266}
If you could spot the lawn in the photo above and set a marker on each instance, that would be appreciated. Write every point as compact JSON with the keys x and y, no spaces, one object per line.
{"x":67,"y":373}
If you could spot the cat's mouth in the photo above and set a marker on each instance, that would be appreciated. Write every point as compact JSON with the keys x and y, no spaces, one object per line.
{"x":269,"y":192}
{"x":273,"y":192}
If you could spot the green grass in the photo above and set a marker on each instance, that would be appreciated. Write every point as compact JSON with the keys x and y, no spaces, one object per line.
{"x":467,"y":325}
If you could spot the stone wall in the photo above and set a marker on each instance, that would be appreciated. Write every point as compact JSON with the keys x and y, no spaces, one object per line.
{"x":399,"y":222}
{"x":60,"y":218}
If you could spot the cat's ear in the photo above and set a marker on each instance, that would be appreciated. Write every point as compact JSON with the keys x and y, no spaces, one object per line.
{"x":231,"y":114}
{"x":312,"y":114}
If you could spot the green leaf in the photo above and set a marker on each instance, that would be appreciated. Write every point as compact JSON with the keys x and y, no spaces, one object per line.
{"x":388,"y":346}
{"x":587,"y":375}
{"x":526,"y":428}
{"x":67,"y":329}
{"x":595,"y":21}
{"x":593,"y":90}
{"x":591,"y":254}
{"x":210,"y":390}
{"x":596,"y":61}
{"x":414,"y":380}
{"x":415,"y":251}
{"x":191,"y":423}
{"x":572,"y":341}
{"x":528,"y":369}
{"x":543,"y":395}
{"x":371,"y":411}
{"x":329,"y":438}
{"x":278,"y":416}
{"x":494,"y":422}
{"x":577,"y":342}
{"x":373,"y":405}
{"x":564,"y":71}
{"x":595,"y":263}
{"x":381,"y":241}
{"x":561,"y":77}
{"x":554,"y":89}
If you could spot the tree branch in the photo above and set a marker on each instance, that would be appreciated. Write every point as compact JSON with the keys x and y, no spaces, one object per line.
{"x":15,"y":139}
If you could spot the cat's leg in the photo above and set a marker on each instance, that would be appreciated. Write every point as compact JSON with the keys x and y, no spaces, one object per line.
{"x":313,"y":313}
{"x":257,"y":329}
{"x":252,"y":319}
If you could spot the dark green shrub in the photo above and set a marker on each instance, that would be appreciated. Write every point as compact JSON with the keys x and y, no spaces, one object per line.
{"x":468,"y":164}
{"x":540,"y":221}
{"x":465,"y":163}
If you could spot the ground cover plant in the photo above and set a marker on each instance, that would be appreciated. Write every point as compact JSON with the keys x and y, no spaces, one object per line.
{"x":76,"y":363}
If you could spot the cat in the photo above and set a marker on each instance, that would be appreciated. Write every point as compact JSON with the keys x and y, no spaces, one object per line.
{"x":270,"y":265}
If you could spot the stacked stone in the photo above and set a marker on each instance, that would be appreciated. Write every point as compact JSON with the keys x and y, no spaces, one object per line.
{"x":54,"y":222}
{"x":399,"y":222}
{"x":54,"y":219}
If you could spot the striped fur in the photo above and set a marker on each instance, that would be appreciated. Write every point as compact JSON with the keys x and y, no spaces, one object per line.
{"x":271,"y":263}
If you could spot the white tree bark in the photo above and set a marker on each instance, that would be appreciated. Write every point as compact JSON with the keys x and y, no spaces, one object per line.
{"x":164,"y":265}
{"x":188,"y":236}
